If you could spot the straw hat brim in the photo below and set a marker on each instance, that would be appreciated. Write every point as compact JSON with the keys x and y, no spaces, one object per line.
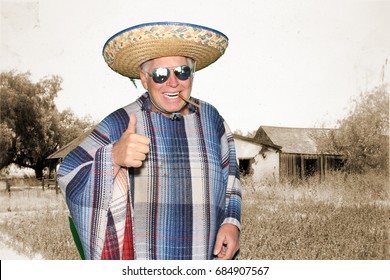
{"x":127,"y":50}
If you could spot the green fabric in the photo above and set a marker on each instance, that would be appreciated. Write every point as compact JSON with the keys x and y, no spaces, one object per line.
{"x":76,"y":238}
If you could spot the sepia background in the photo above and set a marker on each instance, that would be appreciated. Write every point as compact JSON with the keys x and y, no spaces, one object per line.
{"x":291,"y":64}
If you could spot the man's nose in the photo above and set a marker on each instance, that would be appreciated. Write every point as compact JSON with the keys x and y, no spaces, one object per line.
{"x":172,"y":80}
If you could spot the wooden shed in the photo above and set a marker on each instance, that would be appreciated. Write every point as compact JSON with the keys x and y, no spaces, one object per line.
{"x":288,"y":153}
{"x":62,"y":152}
{"x":56,"y":158}
{"x":257,"y":159}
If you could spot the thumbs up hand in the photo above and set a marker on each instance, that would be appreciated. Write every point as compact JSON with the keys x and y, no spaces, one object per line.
{"x":131,"y":148}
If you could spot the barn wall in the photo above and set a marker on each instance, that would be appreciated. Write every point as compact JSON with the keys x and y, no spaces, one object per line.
{"x":265,"y":163}
{"x":246,"y":153}
{"x":301,"y":166}
{"x":266,"y":166}
{"x":245,"y":149}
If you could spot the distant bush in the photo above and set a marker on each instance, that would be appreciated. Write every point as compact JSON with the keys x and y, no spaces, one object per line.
{"x":363,"y":136}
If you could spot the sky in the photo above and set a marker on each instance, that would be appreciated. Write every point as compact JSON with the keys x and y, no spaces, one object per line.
{"x":288,"y":63}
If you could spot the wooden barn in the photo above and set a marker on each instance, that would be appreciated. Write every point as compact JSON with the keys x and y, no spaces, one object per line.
{"x":56,"y":158}
{"x":257,"y":159}
{"x":277,"y":153}
{"x":62,"y":152}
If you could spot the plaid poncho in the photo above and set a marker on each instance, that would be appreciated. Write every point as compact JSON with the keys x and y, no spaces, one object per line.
{"x":172,"y":206}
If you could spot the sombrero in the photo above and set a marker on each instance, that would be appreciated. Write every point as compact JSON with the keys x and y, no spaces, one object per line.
{"x":125,"y":51}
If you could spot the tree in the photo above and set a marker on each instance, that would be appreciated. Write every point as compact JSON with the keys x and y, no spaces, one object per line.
{"x":31,"y":126}
{"x":5,"y":142}
{"x":71,"y":126}
{"x":363,"y":136}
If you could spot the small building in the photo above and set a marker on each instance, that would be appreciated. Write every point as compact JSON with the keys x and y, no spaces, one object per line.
{"x":63,"y":151}
{"x":278,"y":153}
{"x":56,"y":158}
{"x":257,"y":159}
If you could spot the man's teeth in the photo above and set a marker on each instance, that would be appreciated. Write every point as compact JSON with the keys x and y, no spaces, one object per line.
{"x":172,"y":95}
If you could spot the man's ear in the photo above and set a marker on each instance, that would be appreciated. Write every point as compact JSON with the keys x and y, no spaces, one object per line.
{"x":144,"y":80}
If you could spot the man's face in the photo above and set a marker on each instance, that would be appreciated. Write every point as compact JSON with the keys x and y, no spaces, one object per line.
{"x":166,"y":94}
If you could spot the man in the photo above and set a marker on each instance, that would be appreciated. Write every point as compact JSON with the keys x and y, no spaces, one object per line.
{"x":157,"y":179}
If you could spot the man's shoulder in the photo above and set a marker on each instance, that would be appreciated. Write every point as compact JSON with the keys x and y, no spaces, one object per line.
{"x":123,"y":112}
{"x":116,"y":122}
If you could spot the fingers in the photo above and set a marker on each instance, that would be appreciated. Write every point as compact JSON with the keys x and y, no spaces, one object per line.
{"x":222,"y":251}
{"x":225,"y":252}
{"x":131,"y":149}
{"x":218,"y":246}
{"x":132,"y":129}
{"x":135,"y":160}
{"x":226,"y":244}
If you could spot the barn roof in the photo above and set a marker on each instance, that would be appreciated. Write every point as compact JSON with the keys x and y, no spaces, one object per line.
{"x":292,"y":140}
{"x":253,"y":140}
{"x":246,"y":148}
{"x":62,"y":152}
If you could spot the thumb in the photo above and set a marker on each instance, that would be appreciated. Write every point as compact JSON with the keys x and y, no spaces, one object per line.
{"x":132,"y":123}
{"x":218,"y":245}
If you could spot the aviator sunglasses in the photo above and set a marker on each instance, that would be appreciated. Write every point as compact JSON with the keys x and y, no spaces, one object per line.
{"x":161,"y":75}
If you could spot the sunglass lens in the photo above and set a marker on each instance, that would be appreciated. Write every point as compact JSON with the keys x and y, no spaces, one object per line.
{"x":160,"y":75}
{"x":182,"y":72}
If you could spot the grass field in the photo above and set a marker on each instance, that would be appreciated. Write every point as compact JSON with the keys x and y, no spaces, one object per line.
{"x":36,"y":222}
{"x":343,"y":218}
